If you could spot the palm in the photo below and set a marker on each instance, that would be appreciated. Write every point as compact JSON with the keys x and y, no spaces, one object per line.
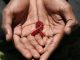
{"x":53,"y":26}
{"x":53,"y":23}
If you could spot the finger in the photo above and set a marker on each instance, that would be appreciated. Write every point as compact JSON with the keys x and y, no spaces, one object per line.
{"x":25,"y":52}
{"x":54,"y":43}
{"x":35,"y":44}
{"x":17,"y":30}
{"x":58,"y":20}
{"x":45,"y":39}
{"x":70,"y":18}
{"x":6,"y":23}
{"x":33,"y":51}
{"x":8,"y":31}
{"x":48,"y":43}
{"x":39,"y":39}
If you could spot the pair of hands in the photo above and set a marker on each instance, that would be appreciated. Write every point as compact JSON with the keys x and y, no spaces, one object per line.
{"x":19,"y":21}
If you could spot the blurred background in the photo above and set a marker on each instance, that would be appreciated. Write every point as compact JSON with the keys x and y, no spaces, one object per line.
{"x":69,"y":48}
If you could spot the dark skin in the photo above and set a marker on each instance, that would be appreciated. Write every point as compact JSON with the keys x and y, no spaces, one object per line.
{"x":49,"y":13}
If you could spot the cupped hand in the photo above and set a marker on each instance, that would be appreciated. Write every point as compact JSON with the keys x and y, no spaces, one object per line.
{"x":58,"y":19}
{"x":63,"y":8}
{"x":13,"y":14}
{"x":53,"y":29}
{"x":29,"y":45}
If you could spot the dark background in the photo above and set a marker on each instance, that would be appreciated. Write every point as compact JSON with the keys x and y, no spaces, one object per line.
{"x":69,"y":48}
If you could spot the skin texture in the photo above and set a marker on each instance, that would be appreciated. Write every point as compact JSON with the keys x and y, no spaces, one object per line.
{"x":56,"y":18}
{"x":15,"y":15}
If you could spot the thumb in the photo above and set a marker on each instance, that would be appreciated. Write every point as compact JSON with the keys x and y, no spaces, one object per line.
{"x":8,"y":31}
{"x":69,"y":16}
{"x":6,"y":24}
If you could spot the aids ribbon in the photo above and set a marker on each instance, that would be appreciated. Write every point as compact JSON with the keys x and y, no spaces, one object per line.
{"x":39,"y":28}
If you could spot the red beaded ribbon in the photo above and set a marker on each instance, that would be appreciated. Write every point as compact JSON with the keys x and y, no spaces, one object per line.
{"x":39,"y":28}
